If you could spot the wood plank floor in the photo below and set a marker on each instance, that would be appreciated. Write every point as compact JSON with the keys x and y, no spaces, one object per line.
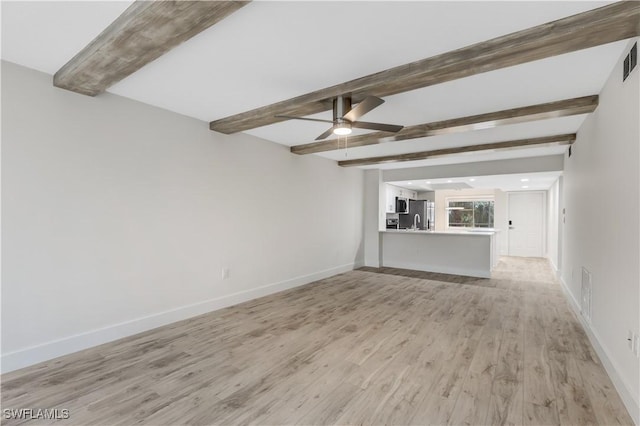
{"x":372,"y":346}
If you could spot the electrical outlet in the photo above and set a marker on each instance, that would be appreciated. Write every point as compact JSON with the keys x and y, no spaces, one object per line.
{"x":225,"y":273}
{"x":630,"y":339}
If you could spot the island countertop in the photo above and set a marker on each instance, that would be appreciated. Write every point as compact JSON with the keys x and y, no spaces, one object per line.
{"x":450,"y":232}
{"x":459,"y":252}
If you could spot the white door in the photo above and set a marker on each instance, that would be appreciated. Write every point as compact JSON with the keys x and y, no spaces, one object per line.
{"x":526,"y":223}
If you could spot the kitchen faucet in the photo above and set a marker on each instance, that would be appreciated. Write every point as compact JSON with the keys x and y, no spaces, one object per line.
{"x":417,"y":216}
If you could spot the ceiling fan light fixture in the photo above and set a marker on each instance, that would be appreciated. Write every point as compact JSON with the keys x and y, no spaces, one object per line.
{"x":342,"y":129}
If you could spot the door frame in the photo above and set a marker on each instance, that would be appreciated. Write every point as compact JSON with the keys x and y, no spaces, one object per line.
{"x":544,"y":213}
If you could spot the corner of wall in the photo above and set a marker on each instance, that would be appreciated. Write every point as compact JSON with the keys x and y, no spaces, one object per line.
{"x":621,"y":385}
{"x":604,"y":169}
{"x":139,"y":193}
{"x":59,"y":347}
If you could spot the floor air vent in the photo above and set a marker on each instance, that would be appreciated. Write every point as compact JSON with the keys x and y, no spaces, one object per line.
{"x":586,"y":295}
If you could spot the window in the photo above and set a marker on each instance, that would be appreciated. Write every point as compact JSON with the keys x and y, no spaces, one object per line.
{"x":470,"y":213}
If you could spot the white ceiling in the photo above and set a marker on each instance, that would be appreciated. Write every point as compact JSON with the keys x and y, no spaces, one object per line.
{"x":271,"y":51}
{"x":513,"y":182}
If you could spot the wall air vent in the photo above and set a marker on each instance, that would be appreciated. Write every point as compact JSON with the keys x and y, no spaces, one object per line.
{"x":630,"y":62}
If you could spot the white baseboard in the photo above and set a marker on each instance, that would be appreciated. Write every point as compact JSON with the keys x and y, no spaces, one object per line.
{"x":623,"y":388}
{"x":55,"y":348}
{"x":439,"y":269}
{"x":553,"y":265}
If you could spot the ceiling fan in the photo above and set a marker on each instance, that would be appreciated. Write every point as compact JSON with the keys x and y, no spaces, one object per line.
{"x":345,"y":117}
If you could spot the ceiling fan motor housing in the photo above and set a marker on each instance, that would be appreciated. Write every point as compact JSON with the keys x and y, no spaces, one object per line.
{"x":341,"y":106}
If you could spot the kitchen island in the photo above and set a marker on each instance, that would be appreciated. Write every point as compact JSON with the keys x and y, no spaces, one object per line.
{"x":469,"y":253}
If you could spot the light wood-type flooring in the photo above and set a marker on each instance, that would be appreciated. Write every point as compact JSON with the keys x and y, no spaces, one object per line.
{"x":371,"y":346}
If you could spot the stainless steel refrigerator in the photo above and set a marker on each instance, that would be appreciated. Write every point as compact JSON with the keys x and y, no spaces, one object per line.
{"x":426,"y":212}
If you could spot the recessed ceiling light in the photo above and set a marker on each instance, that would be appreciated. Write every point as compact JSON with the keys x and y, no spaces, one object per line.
{"x":525,"y":187}
{"x":449,"y":181}
{"x":408,"y":183}
{"x":472,"y":180}
{"x":524,"y":180}
{"x":428,"y":182}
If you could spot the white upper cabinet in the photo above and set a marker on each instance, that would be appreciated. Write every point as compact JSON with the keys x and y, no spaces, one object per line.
{"x":391,"y":199}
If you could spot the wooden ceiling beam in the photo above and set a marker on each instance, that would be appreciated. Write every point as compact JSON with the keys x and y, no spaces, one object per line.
{"x":565,"y":139}
{"x":575,"y":106}
{"x":617,"y":21}
{"x":144,"y":32}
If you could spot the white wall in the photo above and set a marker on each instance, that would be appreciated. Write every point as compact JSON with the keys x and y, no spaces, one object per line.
{"x":553,"y":214}
{"x":374,"y":216}
{"x":499,"y":209}
{"x":427,"y":195}
{"x":118,"y":217}
{"x":602,"y":199}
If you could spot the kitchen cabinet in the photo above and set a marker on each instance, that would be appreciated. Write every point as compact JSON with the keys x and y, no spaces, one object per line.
{"x":391,"y":199}
{"x":408,"y":194}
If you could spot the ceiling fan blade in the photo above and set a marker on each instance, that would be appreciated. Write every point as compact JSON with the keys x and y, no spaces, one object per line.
{"x":303,"y":118}
{"x":377,"y":126}
{"x":367,"y":104}
{"x":325,"y":134}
